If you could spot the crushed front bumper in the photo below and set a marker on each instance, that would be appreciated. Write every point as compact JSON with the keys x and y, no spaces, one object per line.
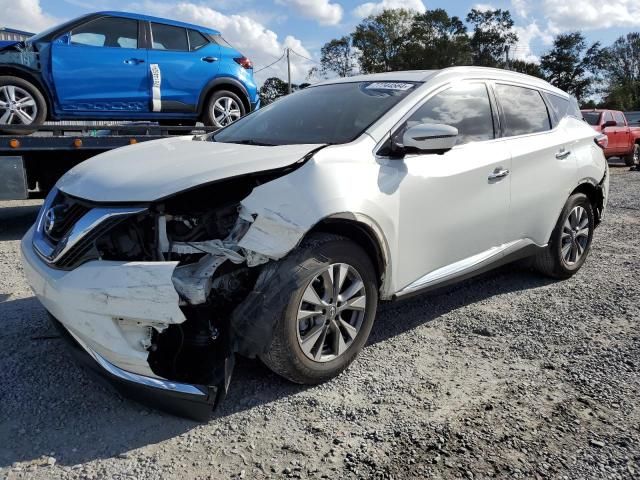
{"x":106,"y":310}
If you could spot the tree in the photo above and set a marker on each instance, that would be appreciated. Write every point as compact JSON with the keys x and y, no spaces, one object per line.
{"x":529,"y":68}
{"x":337,"y":56}
{"x":571,"y":66}
{"x":272,"y":89}
{"x":436,"y":41}
{"x":621,"y":62}
{"x":492,"y":36}
{"x":381,"y":40}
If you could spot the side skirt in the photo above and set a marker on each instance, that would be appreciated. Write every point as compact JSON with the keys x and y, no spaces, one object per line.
{"x":470,"y":267}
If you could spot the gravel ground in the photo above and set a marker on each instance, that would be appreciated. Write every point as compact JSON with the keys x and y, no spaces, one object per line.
{"x":510,"y":375}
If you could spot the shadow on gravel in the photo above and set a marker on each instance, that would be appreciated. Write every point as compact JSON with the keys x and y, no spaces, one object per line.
{"x":15,"y":221}
{"x":49,"y":406}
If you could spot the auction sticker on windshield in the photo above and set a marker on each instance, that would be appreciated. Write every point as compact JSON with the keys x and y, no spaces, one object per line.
{"x":390,"y":86}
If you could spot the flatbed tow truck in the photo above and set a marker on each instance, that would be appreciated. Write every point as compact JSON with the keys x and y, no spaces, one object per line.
{"x":32,"y":163}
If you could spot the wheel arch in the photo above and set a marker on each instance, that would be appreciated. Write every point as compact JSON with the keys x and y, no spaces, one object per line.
{"x":595,"y":194}
{"x":224,"y":83}
{"x":365,"y":233}
{"x":32,"y":77}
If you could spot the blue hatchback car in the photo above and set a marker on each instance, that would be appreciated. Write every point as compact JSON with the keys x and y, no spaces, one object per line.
{"x":121,"y":66}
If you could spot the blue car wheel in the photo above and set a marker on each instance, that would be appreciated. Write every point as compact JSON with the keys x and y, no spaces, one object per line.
{"x":222,"y":108}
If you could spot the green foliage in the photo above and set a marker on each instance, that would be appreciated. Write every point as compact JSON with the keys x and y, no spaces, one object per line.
{"x":337,"y":56}
{"x":528,"y":68}
{"x":621,"y":62}
{"x":492,"y":35}
{"x":381,"y":40}
{"x":572,"y":66}
{"x":272,"y":89}
{"x":436,"y":41}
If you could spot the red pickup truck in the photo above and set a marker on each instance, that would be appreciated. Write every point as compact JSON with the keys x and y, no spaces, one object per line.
{"x":624,"y":141}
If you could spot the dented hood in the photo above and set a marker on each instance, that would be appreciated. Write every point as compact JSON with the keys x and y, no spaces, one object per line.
{"x":153,"y":170}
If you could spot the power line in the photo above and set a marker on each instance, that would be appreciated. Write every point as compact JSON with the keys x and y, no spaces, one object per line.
{"x":305,"y":57}
{"x":270,"y":65}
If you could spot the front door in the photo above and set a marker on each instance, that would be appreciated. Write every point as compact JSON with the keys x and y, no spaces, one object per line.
{"x":453,"y":207}
{"x":98,"y":67}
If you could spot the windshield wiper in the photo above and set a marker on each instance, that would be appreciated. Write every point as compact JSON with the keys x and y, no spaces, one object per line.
{"x":251,"y":142}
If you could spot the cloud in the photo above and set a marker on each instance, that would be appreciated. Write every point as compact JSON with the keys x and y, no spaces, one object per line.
{"x":484,"y":7}
{"x":521,"y":7}
{"x":325,"y":12}
{"x":372,"y":8}
{"x":249,"y":36}
{"x":592,"y":14}
{"x":25,"y":15}
{"x":532,"y":42}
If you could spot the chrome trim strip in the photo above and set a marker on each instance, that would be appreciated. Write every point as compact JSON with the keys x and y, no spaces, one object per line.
{"x":85,"y":225}
{"x":137,"y":378}
{"x":461,"y":267}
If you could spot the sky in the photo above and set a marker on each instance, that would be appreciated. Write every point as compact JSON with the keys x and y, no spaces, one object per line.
{"x":262,"y":29}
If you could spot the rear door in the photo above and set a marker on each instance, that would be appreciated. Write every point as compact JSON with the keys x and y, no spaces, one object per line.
{"x":99,"y":67}
{"x":183,"y":62}
{"x":544,"y":168}
{"x":623,"y":138}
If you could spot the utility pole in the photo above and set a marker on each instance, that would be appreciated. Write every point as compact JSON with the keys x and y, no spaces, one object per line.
{"x":289,"y":70}
{"x":506,"y":54}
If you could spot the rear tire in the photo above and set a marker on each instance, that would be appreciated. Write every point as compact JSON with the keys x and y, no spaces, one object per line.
{"x":298,"y":352}
{"x":570,"y":241}
{"x":21,"y":104}
{"x":222,"y":108}
{"x":634,"y":157}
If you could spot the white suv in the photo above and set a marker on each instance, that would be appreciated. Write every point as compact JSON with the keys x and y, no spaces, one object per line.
{"x":277,"y":236}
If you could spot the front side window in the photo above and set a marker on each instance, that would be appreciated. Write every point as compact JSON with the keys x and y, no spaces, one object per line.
{"x":327,"y":114}
{"x":524,"y":110}
{"x":168,"y":37}
{"x":107,"y":32}
{"x":465,"y":107}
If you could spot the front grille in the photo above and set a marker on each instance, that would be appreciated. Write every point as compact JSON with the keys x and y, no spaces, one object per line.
{"x":67,"y":211}
{"x":67,"y":229}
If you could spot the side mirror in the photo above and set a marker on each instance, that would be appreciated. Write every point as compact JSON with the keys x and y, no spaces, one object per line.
{"x":609,"y":123}
{"x":430,"y":138}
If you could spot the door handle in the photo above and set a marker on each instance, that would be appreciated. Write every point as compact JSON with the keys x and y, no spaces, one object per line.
{"x":562,"y":154}
{"x":209,"y":59}
{"x":134,"y":61}
{"x":498,"y":173}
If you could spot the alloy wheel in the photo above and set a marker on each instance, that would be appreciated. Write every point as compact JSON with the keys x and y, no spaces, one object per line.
{"x":575,"y":235}
{"x":331,"y":312}
{"x":17,"y":106}
{"x":226,"y":111}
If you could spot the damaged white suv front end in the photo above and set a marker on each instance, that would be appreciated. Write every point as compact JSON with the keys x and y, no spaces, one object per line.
{"x":276,"y":236}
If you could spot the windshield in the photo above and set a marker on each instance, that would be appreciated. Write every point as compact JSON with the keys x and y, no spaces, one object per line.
{"x":50,"y":30}
{"x":333,"y":114}
{"x":592,"y":118}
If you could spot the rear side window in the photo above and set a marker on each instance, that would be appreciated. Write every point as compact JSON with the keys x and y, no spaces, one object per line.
{"x":465,"y":107}
{"x":524,"y":110}
{"x":619,"y":118}
{"x":196,"y":40}
{"x":107,"y":32}
{"x":168,"y":37}
{"x":559,"y":106}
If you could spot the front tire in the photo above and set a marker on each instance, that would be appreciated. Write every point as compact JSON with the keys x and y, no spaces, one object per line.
{"x":634,"y":157}
{"x":21,"y":104}
{"x":570,"y":241}
{"x":328,"y":318}
{"x":222,"y":108}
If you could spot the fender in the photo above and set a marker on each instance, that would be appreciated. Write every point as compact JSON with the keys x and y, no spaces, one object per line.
{"x":31,"y":76}
{"x":224,"y":80}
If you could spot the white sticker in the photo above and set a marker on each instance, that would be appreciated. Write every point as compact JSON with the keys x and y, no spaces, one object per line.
{"x":390,"y":86}
{"x":156,"y":95}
